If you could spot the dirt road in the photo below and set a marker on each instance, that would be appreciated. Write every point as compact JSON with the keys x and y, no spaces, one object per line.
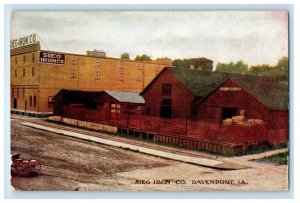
{"x":71,"y":164}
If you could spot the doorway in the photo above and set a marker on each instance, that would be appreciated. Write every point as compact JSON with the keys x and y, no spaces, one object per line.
{"x":228,"y":112}
{"x":15,"y":103}
{"x":166,"y":108}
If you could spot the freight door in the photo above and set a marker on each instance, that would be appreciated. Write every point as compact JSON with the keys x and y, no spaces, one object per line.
{"x":15,"y":103}
{"x":166,"y":108}
{"x":228,"y":112}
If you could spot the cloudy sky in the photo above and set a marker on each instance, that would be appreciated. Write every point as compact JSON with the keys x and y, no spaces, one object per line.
{"x":256,"y":37}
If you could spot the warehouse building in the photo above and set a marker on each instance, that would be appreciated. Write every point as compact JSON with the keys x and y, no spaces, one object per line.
{"x":221,"y":101}
{"x":106,"y":106}
{"x":37,"y":75}
{"x":218,"y":112}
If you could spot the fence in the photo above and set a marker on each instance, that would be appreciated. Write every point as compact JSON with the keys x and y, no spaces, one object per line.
{"x":188,"y":128}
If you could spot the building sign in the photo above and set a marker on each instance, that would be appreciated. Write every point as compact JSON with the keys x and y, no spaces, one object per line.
{"x":23,"y":41}
{"x":230,"y":88}
{"x":52,"y":57}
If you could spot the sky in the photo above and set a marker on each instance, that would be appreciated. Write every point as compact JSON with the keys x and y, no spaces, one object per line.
{"x":256,"y":37}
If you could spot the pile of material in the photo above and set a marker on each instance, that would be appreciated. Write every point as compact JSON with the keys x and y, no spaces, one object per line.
{"x":238,"y":120}
{"x":227,"y":121}
{"x":255,"y":121}
{"x":241,"y":120}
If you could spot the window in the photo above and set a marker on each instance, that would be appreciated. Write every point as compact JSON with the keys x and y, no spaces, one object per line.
{"x":30,"y":101}
{"x":138,"y":78}
{"x":97,"y":62}
{"x":97,"y":75}
{"x":122,"y":64}
{"x":148,"y":110}
{"x":121,"y":76}
{"x":33,"y":58}
{"x":73,"y":73}
{"x":16,"y":73}
{"x":32,"y":71}
{"x":24,"y":71}
{"x":74,"y":60}
{"x":139,"y":66}
{"x":34,"y":101}
{"x":200,"y":67}
{"x":115,"y":110}
{"x":50,"y":101}
{"x":12,"y":93}
{"x":166,"y":89}
{"x":24,"y":58}
{"x":166,"y":108}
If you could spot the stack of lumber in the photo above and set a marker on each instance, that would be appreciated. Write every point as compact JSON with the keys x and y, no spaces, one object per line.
{"x":238,"y":119}
{"x":227,"y":121}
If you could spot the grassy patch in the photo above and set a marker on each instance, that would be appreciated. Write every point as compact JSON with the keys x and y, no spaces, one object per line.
{"x":256,"y":149}
{"x":277,"y":159}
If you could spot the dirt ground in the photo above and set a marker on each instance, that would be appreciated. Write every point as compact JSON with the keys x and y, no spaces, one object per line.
{"x":71,"y":164}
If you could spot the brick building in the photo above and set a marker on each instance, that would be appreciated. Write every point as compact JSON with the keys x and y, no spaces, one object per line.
{"x":37,"y":75}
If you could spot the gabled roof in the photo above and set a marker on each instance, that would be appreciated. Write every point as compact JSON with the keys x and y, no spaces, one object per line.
{"x":128,"y":97}
{"x":269,"y":91}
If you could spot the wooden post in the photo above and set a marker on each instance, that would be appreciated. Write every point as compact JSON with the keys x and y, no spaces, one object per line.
{"x":186,"y":123}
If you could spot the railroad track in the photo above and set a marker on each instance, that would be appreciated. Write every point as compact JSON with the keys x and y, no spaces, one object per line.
{"x":115,"y":138}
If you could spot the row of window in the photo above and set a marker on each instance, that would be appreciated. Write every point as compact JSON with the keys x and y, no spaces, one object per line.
{"x":98,"y":75}
{"x":75,"y":62}
{"x":24,"y":72}
{"x":32,"y":99}
{"x":33,"y":58}
{"x":73,"y":74}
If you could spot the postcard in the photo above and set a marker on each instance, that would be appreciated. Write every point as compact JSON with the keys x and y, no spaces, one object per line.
{"x":149,"y":100}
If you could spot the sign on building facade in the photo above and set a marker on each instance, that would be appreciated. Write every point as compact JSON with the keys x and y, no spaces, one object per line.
{"x":23,"y":41}
{"x":51,"y":57}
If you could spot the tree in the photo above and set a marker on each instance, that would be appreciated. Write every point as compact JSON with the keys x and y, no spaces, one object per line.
{"x":163,"y":58}
{"x":196,"y":63}
{"x":238,"y":67}
{"x":143,"y":57}
{"x":280,"y":70}
{"x":259,"y":70}
{"x":181,"y":63}
{"x":124,"y":55}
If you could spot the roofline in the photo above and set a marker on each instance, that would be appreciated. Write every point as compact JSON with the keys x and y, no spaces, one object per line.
{"x":230,"y":79}
{"x":174,"y":76}
{"x":126,"y":102}
{"x":150,"y":83}
{"x":74,"y":91}
{"x":252,"y":95}
{"x":104,"y":57}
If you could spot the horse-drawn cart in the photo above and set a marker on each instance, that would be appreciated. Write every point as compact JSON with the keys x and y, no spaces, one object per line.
{"x":22,"y":167}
